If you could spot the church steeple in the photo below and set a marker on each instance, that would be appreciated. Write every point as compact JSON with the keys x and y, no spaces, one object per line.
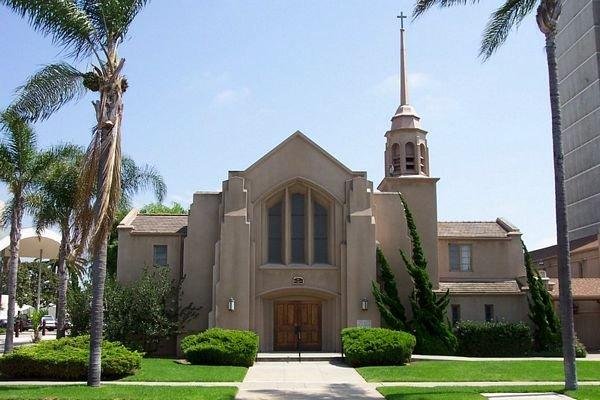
{"x":406,"y":116}
{"x":406,"y":150}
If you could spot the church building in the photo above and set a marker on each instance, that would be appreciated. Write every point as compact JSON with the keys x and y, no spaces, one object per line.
{"x":289,"y":243}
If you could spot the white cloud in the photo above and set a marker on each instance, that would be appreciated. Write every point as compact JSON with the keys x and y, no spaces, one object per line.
{"x":230,"y":96}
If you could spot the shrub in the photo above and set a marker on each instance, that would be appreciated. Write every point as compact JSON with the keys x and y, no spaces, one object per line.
{"x":67,"y":359}
{"x":580,"y":350}
{"x":377,"y":346}
{"x":221,"y":347}
{"x":493,"y":339}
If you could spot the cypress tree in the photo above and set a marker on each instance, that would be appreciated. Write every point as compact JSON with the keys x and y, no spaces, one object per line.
{"x":546,"y":332}
{"x":429,"y":324}
{"x":386,"y":296}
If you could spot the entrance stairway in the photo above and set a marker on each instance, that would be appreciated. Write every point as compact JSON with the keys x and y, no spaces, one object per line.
{"x":304,"y":356}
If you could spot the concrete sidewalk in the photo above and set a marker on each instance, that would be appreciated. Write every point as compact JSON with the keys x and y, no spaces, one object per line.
{"x":305,"y":380}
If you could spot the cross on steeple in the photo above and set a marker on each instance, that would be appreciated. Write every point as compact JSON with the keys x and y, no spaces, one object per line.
{"x":403,"y":74}
{"x":401,"y":17}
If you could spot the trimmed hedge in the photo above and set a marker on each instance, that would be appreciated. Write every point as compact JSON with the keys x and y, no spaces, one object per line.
{"x":377,"y":346}
{"x":67,"y":359}
{"x":493,"y":339}
{"x":218,"y":346}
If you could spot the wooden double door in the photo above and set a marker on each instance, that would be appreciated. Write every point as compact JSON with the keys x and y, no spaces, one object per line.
{"x":297,"y":326}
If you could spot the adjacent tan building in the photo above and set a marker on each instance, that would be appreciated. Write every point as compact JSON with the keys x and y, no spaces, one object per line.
{"x":289,"y":243}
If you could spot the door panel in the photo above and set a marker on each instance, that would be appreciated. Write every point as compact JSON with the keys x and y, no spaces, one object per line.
{"x":292,"y":314}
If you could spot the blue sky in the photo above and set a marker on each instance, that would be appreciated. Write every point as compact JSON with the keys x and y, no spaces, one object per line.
{"x":216,"y":84}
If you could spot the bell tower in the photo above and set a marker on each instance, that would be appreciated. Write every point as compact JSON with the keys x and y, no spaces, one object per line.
{"x":406,"y":150}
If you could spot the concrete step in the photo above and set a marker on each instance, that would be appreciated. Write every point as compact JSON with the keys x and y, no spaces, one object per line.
{"x":304,"y":356}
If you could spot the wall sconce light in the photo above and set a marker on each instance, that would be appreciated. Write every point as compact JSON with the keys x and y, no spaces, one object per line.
{"x":231,"y":304}
{"x":364,"y":304}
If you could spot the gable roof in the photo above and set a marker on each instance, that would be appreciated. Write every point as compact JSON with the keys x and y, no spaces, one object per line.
{"x":551,"y":251}
{"x":582,"y":288}
{"x":302,"y":136}
{"x":158,"y":224}
{"x":476,"y":229}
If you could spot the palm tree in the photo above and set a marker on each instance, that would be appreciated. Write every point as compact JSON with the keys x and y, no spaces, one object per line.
{"x":90,"y":30}
{"x":54,"y":204}
{"x":507,"y":16}
{"x":22,"y":167}
{"x":56,"y":201}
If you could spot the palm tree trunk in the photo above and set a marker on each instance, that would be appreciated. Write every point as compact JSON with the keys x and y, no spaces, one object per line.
{"x":61,"y":303}
{"x":13,"y":265}
{"x":562,"y":236}
{"x":97,"y":316}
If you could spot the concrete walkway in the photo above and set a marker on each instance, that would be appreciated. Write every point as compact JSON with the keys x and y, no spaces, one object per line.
{"x":305,"y":380}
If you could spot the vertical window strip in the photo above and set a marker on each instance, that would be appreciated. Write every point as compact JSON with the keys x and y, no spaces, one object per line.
{"x":275,"y":233}
{"x":320,"y":233}
{"x":298,"y":228}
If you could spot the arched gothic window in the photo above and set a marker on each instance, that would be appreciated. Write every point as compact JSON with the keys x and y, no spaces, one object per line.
{"x":409,"y":153}
{"x":423,"y":158}
{"x":298,"y":227}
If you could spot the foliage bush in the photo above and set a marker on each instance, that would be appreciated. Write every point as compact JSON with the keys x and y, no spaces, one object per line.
{"x":493,"y":339}
{"x":580,"y":350}
{"x":377,"y":346}
{"x":221,"y":347}
{"x":67,"y":359}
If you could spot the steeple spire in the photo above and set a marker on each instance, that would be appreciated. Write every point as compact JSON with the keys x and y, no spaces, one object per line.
{"x":403,"y":75}
{"x":406,"y":116}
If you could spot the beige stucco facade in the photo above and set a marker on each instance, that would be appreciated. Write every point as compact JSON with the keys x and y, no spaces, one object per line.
{"x":288,"y":244}
{"x":221,"y":249}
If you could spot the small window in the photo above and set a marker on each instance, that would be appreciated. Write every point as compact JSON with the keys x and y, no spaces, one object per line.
{"x":455,"y":313}
{"x":160,"y":255}
{"x":275,"y":227}
{"x":460,"y":257}
{"x":489,"y":312}
{"x":409,"y":152}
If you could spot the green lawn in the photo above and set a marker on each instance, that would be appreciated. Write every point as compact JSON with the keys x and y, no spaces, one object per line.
{"x":114,"y":392}
{"x":478,"y":371}
{"x":473,"y":393}
{"x":167,"y":370}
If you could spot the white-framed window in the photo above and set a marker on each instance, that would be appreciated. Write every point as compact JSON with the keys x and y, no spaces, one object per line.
{"x":298,"y":227}
{"x":460,"y":257}
{"x":160,"y":255}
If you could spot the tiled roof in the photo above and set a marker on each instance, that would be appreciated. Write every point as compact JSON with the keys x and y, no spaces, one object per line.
{"x":501,"y":287}
{"x":550,"y":251}
{"x":160,"y":224}
{"x":582,"y":288}
{"x":476,"y":229}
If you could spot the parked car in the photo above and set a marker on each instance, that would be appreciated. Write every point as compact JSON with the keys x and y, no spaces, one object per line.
{"x":49,"y":321}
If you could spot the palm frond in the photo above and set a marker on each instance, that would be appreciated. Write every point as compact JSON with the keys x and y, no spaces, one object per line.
{"x":48,"y":90}
{"x":112,"y":18}
{"x":135,"y":179}
{"x":63,"y":20}
{"x":424,"y":5}
{"x":501,"y":22}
